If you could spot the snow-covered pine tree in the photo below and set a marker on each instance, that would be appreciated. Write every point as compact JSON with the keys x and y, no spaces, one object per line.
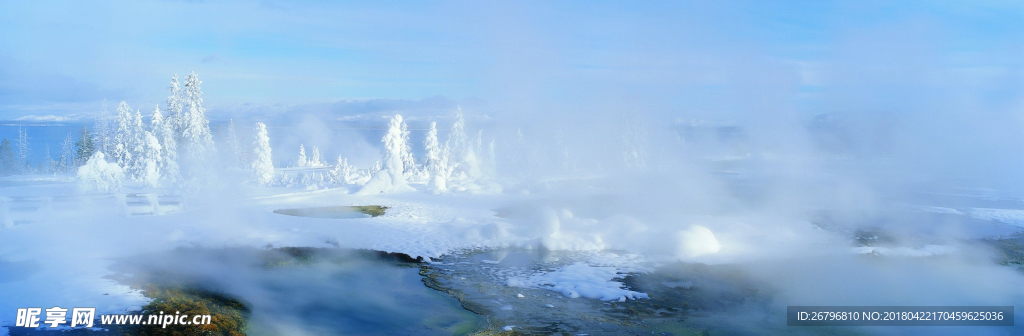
{"x":123,"y":142}
{"x":301,"y":160}
{"x":163,"y":129}
{"x":342,"y":171}
{"x":150,"y":160}
{"x":408,"y":162}
{"x":391,"y":176}
{"x":197,"y":141}
{"x":262,"y":164}
{"x":138,"y":164}
{"x":436,"y":161}
{"x":23,"y":149}
{"x":175,"y":105}
{"x":396,"y":142}
{"x":314,"y":160}
{"x":457,"y":146}
{"x":84,"y":147}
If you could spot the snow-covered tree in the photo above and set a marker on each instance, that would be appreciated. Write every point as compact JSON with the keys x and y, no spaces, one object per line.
{"x":163,"y":129}
{"x":23,"y":148}
{"x":136,"y":169}
{"x":175,"y":105}
{"x":392,"y":177}
{"x":314,"y":160}
{"x":436,"y":161}
{"x":301,"y":161}
{"x":150,"y":160}
{"x":457,"y":140}
{"x":408,"y":162}
{"x":196,"y":138}
{"x":461,"y":154}
{"x":342,"y":172}
{"x":125,"y":138}
{"x":262,"y":164}
{"x":84,"y":147}
{"x":396,"y":143}
{"x":100,"y":175}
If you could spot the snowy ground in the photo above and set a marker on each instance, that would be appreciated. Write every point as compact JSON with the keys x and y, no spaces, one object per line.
{"x":58,"y":240}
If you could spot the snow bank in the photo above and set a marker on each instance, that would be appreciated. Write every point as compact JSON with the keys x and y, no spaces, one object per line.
{"x":385,"y":182}
{"x":902,"y":251}
{"x":580,"y":280}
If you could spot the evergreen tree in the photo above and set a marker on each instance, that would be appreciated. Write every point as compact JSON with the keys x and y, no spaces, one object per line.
{"x":408,"y":162}
{"x":395,"y":145}
{"x":392,"y":176}
{"x":124,"y":137}
{"x":195,"y":128}
{"x":462,"y":157}
{"x":175,"y":106}
{"x":314,"y":160}
{"x":436,"y":161}
{"x":163,"y":129}
{"x":263,"y":164}
{"x":342,"y":171}
{"x":150,"y":160}
{"x":84,"y":147}
{"x":301,"y":161}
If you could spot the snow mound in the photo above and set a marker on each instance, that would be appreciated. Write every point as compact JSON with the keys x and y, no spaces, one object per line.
{"x":580,"y":279}
{"x":99,"y":175}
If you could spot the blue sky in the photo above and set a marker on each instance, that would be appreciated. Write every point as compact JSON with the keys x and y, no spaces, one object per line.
{"x":67,"y":57}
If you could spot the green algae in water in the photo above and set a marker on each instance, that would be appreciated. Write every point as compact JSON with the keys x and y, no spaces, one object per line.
{"x":338,"y":212}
